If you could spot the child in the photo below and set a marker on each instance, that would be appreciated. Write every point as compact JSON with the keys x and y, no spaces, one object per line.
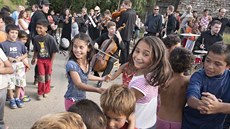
{"x":45,"y":48}
{"x":91,"y":114}
{"x":62,"y":120}
{"x":172,"y":41}
{"x":23,"y":37}
{"x":77,"y":69}
{"x":16,"y":53}
{"x":207,"y":94}
{"x":150,"y":59}
{"x":173,"y":96}
{"x":118,"y":104}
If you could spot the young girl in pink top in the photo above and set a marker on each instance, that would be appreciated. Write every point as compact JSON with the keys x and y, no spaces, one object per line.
{"x":152,"y":70}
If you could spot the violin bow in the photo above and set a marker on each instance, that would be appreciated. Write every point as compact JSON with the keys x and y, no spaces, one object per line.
{"x":107,"y":54}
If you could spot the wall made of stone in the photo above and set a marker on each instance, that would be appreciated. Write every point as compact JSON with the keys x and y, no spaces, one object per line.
{"x":200,"y":5}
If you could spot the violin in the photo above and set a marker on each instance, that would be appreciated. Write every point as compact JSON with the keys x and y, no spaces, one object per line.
{"x":108,"y":48}
{"x":118,"y":13}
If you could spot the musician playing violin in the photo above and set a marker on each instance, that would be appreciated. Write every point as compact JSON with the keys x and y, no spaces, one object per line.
{"x":111,"y":27}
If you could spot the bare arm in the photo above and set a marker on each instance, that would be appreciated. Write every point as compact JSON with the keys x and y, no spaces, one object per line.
{"x":6,"y":67}
{"x":118,"y":72}
{"x":20,"y":22}
{"x":78,"y":83}
{"x":95,"y":78}
{"x":20,"y":58}
{"x":52,"y":58}
{"x":131,"y":121}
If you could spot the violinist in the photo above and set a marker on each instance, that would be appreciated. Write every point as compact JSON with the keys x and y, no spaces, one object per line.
{"x":111,"y":27}
{"x":128,"y":17}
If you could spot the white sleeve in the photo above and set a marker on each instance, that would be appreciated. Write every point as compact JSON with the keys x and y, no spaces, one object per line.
{"x":2,"y":55}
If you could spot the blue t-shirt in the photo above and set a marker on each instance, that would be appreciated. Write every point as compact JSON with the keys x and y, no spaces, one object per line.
{"x":73,"y":92}
{"x":218,"y":86}
{"x":13,"y":49}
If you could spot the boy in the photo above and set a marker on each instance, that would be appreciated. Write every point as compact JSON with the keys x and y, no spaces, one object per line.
{"x":171,"y":41}
{"x":45,"y":48}
{"x":173,"y":96}
{"x":62,"y":120}
{"x":118,"y":104}
{"x":91,"y":114}
{"x":208,"y":95}
{"x":16,"y":53}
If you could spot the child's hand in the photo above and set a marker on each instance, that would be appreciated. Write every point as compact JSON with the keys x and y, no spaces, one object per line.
{"x":210,"y":104}
{"x":132,"y":121}
{"x":27,"y":67}
{"x":33,"y":61}
{"x":107,"y":78}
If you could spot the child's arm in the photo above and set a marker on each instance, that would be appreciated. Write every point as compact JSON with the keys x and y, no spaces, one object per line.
{"x":52,"y":58}
{"x":6,"y":67}
{"x":34,"y":59}
{"x":95,"y":78}
{"x":20,"y":58}
{"x":77,"y":82}
{"x":118,"y":72}
{"x":131,"y":121}
{"x":212,"y":105}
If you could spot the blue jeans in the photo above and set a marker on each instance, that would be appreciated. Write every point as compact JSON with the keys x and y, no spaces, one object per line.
{"x":2,"y":105}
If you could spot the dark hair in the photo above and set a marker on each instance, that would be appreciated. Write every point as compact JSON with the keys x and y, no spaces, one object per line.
{"x":87,"y":39}
{"x":221,"y":9}
{"x":91,"y":114}
{"x":171,"y":8}
{"x":21,"y":14}
{"x":221,"y":49}
{"x":22,"y":34}
{"x":215,"y":22}
{"x":43,"y":22}
{"x":159,"y":71}
{"x":171,"y":40}
{"x":9,"y":20}
{"x":11,"y":27}
{"x":181,"y":59}
{"x":205,"y":10}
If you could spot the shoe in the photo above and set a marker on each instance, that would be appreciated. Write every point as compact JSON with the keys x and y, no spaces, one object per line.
{"x":39,"y":97}
{"x":99,"y":83}
{"x":52,"y":87}
{"x":19,"y":103}
{"x":13,"y":104}
{"x":45,"y":95}
{"x":26,"y":98}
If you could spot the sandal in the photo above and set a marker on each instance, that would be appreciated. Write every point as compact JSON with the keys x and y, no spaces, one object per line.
{"x":26,"y":99}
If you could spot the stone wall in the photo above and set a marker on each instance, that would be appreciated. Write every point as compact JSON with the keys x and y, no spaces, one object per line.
{"x":198,"y":5}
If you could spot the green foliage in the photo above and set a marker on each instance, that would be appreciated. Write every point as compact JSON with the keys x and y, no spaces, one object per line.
{"x":141,"y":6}
{"x":18,"y":2}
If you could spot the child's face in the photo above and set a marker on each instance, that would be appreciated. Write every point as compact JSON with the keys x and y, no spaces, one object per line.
{"x":23,"y":40}
{"x":112,"y":30}
{"x":12,"y":35}
{"x":214,"y":64}
{"x":115,"y":121}
{"x":142,"y":55}
{"x":41,"y":30}
{"x":2,"y":23}
{"x":80,"y":49}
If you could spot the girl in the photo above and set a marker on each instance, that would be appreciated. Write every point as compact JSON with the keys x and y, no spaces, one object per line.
{"x":23,"y":37}
{"x":77,"y":68}
{"x":150,"y":59}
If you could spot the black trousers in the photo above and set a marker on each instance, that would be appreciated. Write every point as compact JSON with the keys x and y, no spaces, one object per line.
{"x":124,"y":56}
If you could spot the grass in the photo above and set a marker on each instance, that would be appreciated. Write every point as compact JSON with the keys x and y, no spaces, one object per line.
{"x":227,"y":38}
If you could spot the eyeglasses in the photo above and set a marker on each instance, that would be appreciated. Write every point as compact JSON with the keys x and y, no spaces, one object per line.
{"x":156,"y":9}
